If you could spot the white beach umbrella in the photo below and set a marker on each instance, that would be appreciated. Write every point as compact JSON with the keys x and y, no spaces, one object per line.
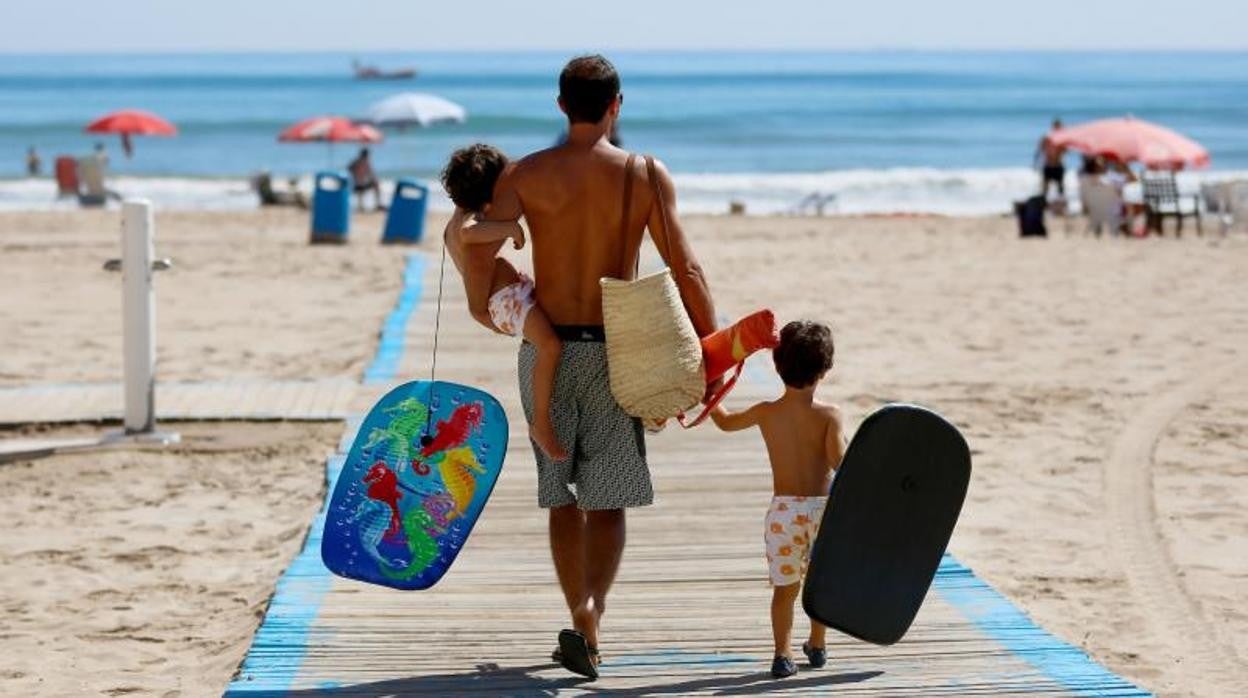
{"x":415,"y":109}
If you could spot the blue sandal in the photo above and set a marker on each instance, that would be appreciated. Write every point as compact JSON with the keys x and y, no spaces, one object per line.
{"x":817,"y":656}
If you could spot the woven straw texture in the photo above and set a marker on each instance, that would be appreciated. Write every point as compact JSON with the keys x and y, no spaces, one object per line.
{"x":653,"y":354}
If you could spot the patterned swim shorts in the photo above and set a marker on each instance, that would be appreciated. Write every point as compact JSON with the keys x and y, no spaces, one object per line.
{"x":607,"y":464}
{"x":510,"y":305}
{"x":789,"y":529}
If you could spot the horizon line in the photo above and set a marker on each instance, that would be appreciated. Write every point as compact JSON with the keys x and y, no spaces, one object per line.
{"x":673,"y":50}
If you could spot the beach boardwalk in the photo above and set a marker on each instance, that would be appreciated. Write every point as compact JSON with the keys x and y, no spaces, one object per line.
{"x":688,"y":614}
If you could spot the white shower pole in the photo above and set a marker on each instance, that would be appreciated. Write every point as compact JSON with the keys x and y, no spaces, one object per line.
{"x":138,"y":316}
{"x":138,"y":320}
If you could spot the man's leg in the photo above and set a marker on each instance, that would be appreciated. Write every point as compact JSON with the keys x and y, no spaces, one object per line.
{"x":567,"y":547}
{"x":605,"y":547}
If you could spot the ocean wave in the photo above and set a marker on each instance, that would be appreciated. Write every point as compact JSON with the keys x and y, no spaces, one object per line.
{"x":964,"y":192}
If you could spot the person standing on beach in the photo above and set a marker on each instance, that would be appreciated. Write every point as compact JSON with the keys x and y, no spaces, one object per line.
{"x":572,"y":197}
{"x":364,"y":179}
{"x":1050,"y":155}
{"x":33,"y":164}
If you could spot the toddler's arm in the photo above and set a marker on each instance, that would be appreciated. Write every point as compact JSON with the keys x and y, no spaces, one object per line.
{"x":477,"y":232}
{"x":736,"y":421}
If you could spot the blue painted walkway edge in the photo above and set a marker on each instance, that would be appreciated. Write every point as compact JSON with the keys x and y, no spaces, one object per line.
{"x":1005,"y":623}
{"x":385,"y":363}
{"x":270,"y":666}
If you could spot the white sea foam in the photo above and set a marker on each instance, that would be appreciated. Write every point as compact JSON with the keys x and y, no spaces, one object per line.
{"x":899,"y":190}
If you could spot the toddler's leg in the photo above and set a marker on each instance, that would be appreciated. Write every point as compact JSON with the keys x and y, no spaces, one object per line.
{"x":537,"y":330}
{"x":818,"y":633}
{"x":782,"y":599}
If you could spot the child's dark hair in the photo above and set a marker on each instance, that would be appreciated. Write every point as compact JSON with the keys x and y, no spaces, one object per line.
{"x":470,"y":174}
{"x":804,"y":354}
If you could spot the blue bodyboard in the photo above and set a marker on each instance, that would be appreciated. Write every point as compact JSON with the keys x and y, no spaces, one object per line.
{"x":422,"y":466}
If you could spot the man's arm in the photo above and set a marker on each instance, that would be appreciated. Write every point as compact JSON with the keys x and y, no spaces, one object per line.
{"x":690,"y":278}
{"x":736,"y":421}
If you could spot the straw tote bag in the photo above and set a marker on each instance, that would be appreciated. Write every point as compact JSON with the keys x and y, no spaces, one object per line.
{"x":654,"y":358}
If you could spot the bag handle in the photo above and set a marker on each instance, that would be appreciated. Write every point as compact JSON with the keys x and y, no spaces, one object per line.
{"x":657,"y":187}
{"x":714,"y":401}
{"x":626,"y":212}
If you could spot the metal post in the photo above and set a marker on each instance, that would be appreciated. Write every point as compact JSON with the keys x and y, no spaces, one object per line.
{"x":139,"y":316}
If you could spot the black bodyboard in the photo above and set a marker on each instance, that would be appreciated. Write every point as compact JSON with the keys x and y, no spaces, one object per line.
{"x":891,"y":511}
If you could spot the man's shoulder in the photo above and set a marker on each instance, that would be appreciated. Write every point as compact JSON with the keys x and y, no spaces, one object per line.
{"x":536,"y":160}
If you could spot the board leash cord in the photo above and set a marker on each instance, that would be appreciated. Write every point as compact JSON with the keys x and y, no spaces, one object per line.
{"x":427,"y":438}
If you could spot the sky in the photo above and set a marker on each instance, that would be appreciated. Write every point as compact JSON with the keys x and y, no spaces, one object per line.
{"x":142,"y":26}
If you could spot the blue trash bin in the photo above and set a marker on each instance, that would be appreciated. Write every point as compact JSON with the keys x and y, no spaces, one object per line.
{"x":406,"y":220}
{"x":331,"y":207}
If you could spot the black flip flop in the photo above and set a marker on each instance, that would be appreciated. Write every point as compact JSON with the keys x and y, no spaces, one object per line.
{"x":557,"y":657}
{"x":576,"y":655}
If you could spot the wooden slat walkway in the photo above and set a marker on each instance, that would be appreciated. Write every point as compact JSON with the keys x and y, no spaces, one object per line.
{"x":318,"y":400}
{"x":688,"y":614}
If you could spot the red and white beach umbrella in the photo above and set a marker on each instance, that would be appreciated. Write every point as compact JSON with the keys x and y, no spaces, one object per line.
{"x":1133,"y":140}
{"x":329,"y":129}
{"x":131,"y":122}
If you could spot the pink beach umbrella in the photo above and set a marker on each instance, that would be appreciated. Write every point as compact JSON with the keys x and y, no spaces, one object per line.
{"x":132,"y":122}
{"x":1133,"y":140}
{"x":331,"y":130}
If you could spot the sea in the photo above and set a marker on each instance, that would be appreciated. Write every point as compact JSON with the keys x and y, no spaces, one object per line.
{"x":865,"y":132}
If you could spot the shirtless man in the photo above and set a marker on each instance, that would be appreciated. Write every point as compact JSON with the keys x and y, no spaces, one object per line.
{"x":572,"y":198}
{"x":1052,"y":169}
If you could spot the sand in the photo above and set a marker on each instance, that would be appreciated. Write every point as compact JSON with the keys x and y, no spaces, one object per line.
{"x":1101,"y":384}
{"x":147,"y":572}
{"x":247,"y":297}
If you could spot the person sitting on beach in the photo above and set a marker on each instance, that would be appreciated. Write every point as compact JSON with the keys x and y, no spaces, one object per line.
{"x":805,"y":442}
{"x":364,"y":179}
{"x":511,"y":307}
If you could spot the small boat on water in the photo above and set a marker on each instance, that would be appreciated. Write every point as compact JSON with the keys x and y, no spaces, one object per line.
{"x":372,"y":72}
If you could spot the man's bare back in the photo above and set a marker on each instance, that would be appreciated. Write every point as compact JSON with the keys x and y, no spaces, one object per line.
{"x":572,"y":200}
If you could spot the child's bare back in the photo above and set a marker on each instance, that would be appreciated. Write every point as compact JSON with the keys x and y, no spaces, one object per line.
{"x":804,"y":442}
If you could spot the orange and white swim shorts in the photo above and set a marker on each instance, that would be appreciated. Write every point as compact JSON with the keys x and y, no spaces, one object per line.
{"x":789,"y":530}
{"x":510,"y":306}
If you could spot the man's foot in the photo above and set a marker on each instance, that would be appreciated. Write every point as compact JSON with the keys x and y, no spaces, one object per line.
{"x":782,"y":667}
{"x":543,"y":434}
{"x":576,"y":655}
{"x":817,"y":656}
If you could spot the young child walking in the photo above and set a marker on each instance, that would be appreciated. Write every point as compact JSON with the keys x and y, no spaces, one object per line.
{"x":805,"y":443}
{"x":499,"y":296}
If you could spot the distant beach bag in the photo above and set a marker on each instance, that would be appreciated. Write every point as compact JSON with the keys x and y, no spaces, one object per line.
{"x":654,"y":357}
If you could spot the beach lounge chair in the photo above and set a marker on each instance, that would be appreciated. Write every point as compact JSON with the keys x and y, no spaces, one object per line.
{"x":1102,"y":205}
{"x":262,"y":184}
{"x":1228,"y":200}
{"x":66,"y":177}
{"x":1162,"y":200}
{"x":91,"y":178}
